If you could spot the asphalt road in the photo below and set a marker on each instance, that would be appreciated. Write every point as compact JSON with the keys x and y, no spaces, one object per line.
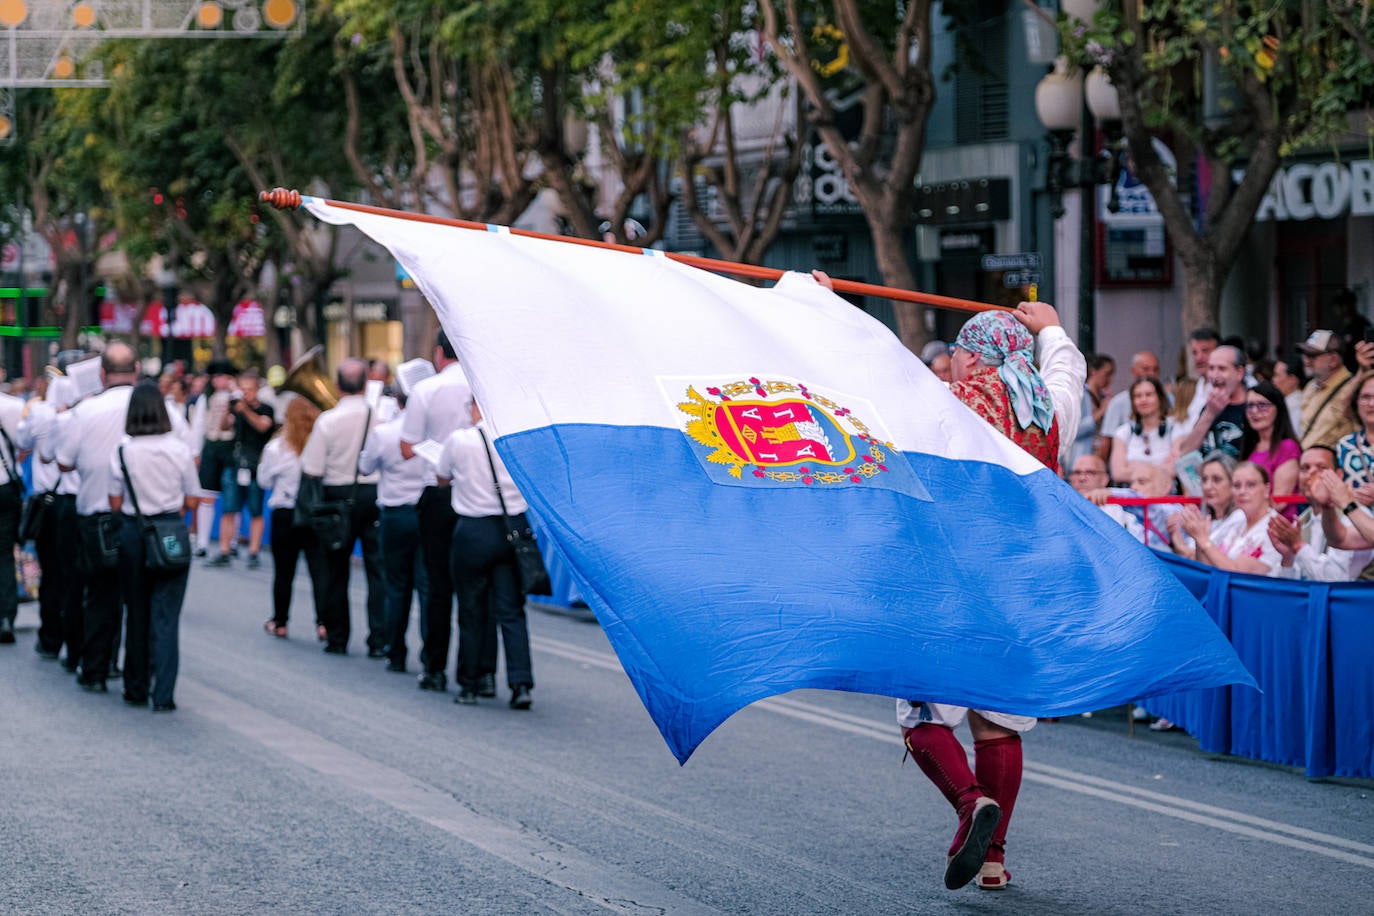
{"x":296,"y":782}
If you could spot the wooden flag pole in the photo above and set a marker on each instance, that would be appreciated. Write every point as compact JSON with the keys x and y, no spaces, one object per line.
{"x":284,"y":199}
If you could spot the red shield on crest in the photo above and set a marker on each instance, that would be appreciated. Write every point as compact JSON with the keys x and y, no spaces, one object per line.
{"x":781,"y":433}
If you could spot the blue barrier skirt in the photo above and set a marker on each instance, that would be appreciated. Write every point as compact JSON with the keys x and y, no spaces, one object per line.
{"x":1308,"y":646}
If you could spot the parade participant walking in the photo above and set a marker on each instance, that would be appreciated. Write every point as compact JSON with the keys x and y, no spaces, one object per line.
{"x":401,"y":482}
{"x":251,"y":422}
{"x":435,"y":409}
{"x":280,"y":471}
{"x":152,"y":480}
{"x":86,"y":443}
{"x":329,"y":466}
{"x":483,"y":564}
{"x":11,"y":502}
{"x":35,"y":434}
{"x":994,"y":375}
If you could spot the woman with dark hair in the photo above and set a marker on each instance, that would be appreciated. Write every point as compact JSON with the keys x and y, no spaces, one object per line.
{"x":1149,"y":436}
{"x":153,"y":477}
{"x":1270,"y":442}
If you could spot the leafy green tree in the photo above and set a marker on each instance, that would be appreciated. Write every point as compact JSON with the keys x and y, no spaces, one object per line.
{"x":49,"y":171}
{"x":1283,"y":76}
{"x":888,"y":46}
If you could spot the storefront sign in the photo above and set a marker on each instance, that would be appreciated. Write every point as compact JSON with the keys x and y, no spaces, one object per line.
{"x":1324,"y":190}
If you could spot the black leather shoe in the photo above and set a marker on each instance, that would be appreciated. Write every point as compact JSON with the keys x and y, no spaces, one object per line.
{"x":376,"y":653}
{"x":49,"y":654}
{"x":520,"y":697}
{"x":331,"y":649}
{"x":135,"y":701}
{"x":92,"y":686}
{"x":70,"y":665}
{"x":6,"y":631}
{"x":486,"y":686}
{"x":164,"y":707}
{"x":467,"y":697}
{"x":434,"y":680}
{"x":115,"y":672}
{"x":398,"y":667}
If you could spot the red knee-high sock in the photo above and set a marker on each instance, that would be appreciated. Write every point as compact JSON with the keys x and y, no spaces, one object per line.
{"x":998,"y":765}
{"x":940,"y":756}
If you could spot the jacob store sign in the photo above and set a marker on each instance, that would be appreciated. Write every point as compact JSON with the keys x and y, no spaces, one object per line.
{"x":1326,"y":190}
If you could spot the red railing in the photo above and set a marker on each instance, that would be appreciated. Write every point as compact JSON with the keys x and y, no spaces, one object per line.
{"x":1292,"y":499}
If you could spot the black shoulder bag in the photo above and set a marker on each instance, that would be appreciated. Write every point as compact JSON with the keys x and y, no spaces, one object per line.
{"x":166,"y":539}
{"x":332,"y":521}
{"x":534,"y":575}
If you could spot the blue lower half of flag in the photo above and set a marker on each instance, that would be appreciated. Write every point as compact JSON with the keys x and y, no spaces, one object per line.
{"x":1004,"y":592}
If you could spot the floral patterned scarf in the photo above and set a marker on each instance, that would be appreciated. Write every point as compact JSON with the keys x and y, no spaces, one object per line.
{"x":999,"y":336}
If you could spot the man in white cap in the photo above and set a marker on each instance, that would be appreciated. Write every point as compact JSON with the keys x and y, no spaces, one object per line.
{"x":1324,"y":400}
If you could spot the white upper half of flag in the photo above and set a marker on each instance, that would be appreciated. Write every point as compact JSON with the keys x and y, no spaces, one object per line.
{"x":551,"y":333}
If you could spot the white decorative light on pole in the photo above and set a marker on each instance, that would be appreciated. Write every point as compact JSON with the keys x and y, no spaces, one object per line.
{"x":1060,"y":99}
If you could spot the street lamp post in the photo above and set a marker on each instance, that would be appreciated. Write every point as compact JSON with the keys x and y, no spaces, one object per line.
{"x":1069,"y":104}
{"x":167,"y":284}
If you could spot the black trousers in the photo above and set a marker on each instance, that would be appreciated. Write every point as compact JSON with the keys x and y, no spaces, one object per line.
{"x":56,"y":580}
{"x":334,"y":610}
{"x":404,"y":571}
{"x":102,"y":612}
{"x":436,"y":518}
{"x":488,"y":585}
{"x":64,"y":570}
{"x":11,"y":502}
{"x":154,"y":601}
{"x":289,"y":544}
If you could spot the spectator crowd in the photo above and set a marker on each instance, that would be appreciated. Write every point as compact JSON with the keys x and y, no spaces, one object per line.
{"x":1245,"y":462}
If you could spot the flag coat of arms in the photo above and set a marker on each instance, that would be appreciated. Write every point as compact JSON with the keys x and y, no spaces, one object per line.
{"x":760,"y":490}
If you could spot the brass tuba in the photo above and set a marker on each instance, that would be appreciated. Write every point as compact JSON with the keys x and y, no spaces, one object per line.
{"x":308,"y":379}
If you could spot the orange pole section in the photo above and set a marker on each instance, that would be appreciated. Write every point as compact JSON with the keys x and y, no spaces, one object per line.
{"x":284,"y":199}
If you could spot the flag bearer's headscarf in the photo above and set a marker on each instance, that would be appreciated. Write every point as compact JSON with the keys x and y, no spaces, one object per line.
{"x":1007,"y":343}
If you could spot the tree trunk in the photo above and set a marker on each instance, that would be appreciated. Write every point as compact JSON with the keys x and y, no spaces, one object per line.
{"x":76,"y":307}
{"x":1202,"y":282}
{"x":890,"y":250}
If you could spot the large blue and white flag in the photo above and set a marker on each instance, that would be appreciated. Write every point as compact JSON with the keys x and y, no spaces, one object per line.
{"x":761,"y":490}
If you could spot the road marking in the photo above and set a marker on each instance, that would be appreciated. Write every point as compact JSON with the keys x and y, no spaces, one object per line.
{"x":1236,"y":822}
{"x":527,"y":850}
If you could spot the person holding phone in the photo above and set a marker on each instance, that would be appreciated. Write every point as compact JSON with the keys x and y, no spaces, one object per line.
{"x":252,"y":423}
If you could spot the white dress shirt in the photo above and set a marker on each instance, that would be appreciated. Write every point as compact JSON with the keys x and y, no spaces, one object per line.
{"x":334,"y":445}
{"x":36,"y":434}
{"x":161,"y":469}
{"x":438,"y":406}
{"x":279,"y":470}
{"x":400,"y":481}
{"x":90,"y":437}
{"x":46,"y":450}
{"x":464,"y":461}
{"x":11,"y":410}
{"x":1320,"y":562}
